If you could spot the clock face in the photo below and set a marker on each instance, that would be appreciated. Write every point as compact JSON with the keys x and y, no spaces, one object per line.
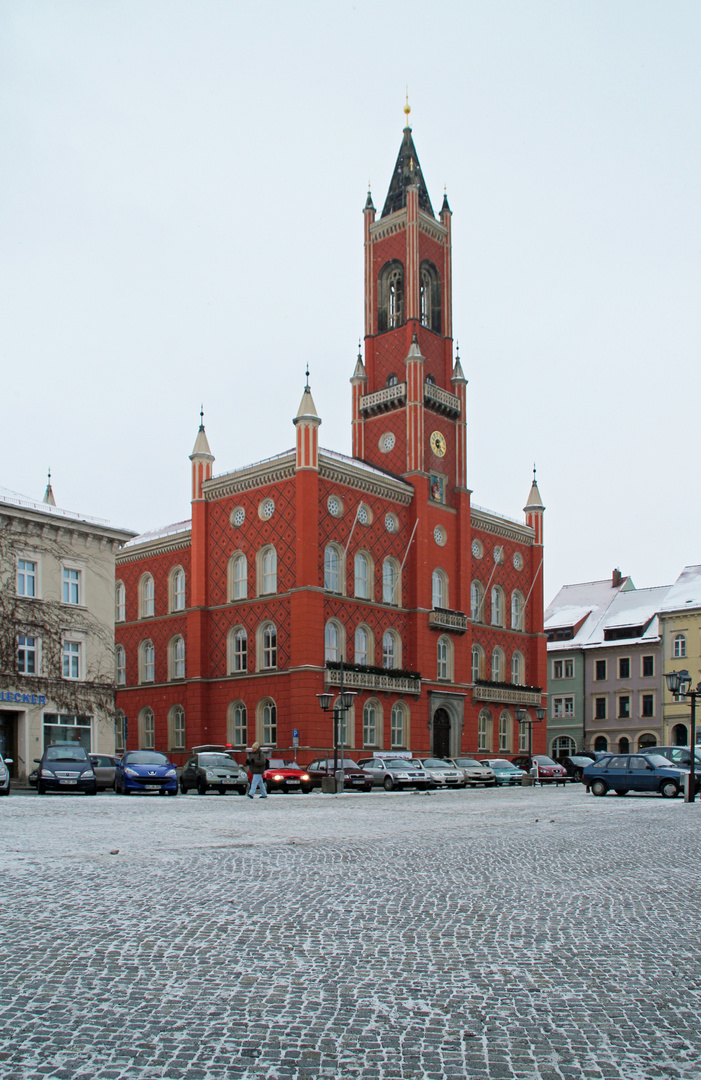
{"x":438,"y":443}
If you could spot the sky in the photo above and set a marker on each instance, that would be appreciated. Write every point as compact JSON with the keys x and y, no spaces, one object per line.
{"x":181,"y":199}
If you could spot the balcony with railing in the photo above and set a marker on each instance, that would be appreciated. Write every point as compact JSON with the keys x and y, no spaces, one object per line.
{"x":391,"y":397}
{"x":444,"y":619}
{"x":441,"y":401}
{"x":366,"y":677}
{"x":506,"y":693}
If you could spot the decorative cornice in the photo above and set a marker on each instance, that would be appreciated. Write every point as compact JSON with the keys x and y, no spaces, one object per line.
{"x":154,"y":547}
{"x":389,"y":226}
{"x":432,"y":228}
{"x":521,"y":534}
{"x":262,"y":474}
{"x":26,"y":523}
{"x":384,"y":488}
{"x":498,"y":695}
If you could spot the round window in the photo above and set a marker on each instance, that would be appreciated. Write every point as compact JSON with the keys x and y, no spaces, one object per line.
{"x":391,"y":523}
{"x":477,"y":549}
{"x":498,"y":555}
{"x":387,"y":442}
{"x":439,"y":535}
{"x":238,"y":516}
{"x":267,"y":508}
{"x":518,"y":561}
{"x":364,"y":515}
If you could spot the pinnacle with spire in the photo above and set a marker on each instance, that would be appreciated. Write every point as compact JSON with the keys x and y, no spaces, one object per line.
{"x":407,"y":172}
{"x":201,"y":442}
{"x":534,"y":501}
{"x":307,"y":408}
{"x":49,"y":493}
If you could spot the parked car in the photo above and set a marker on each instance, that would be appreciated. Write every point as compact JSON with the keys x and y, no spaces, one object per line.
{"x":395,"y":773}
{"x":548,"y":769}
{"x":286,"y":776}
{"x":634,"y":772}
{"x":678,"y":755}
{"x":575,"y":765}
{"x":5,"y":775}
{"x":475,"y":772}
{"x":104,"y":767}
{"x":505,"y":772}
{"x":145,"y":770}
{"x":65,"y":767}
{"x":213,"y":772}
{"x":441,"y":773}
{"x":354,"y":778}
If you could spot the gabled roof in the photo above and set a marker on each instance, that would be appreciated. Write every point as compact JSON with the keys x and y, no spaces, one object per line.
{"x":407,"y":172}
{"x":685,"y":594}
{"x":628,"y":611}
{"x":579,"y":608}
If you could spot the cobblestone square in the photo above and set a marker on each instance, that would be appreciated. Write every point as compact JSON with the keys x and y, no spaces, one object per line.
{"x":501,"y":934}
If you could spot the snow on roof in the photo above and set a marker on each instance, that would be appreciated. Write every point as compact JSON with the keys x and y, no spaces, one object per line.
{"x":13,"y":498}
{"x":685,"y":592}
{"x":495,"y":513}
{"x":160,"y":534}
{"x":567,"y":616}
{"x":586,"y":600}
{"x":363,"y":465}
{"x":638,"y":607}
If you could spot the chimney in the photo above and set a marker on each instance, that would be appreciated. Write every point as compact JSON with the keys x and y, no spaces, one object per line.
{"x":616,"y":579}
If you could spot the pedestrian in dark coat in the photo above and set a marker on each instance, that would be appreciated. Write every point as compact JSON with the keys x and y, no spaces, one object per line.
{"x":257,"y":763}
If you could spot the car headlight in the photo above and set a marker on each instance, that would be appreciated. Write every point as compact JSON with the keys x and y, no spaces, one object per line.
{"x":208,"y":774}
{"x":130,"y":772}
{"x":46,"y":772}
{"x":304,"y":776}
{"x":278,"y":776}
{"x":87,"y":775}
{"x":172,"y":772}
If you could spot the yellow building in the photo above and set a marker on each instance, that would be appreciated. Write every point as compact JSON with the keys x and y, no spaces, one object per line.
{"x":680,"y":629}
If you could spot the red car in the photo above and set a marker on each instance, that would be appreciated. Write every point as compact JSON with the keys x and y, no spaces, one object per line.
{"x":547,"y":768}
{"x":286,"y":776}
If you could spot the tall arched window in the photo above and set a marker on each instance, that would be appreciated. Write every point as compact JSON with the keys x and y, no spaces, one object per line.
{"x":121,"y":664}
{"x":484,"y":730}
{"x":269,"y":642}
{"x":476,"y":598}
{"x":267,"y":571}
{"x":238,"y":649}
{"x":390,"y":309}
{"x":497,"y":606}
{"x":177,"y":589}
{"x":372,"y":723}
{"x":504,"y":731}
{"x":237,"y":724}
{"x":268,"y":723}
{"x":497,"y":665}
{"x":333,"y":640}
{"x":332,"y":568}
{"x":363,"y":639}
{"x":176,"y":728}
{"x":517,"y":669}
{"x":147,"y":730}
{"x":147,"y":662}
{"x":119,"y":732}
{"x":362,"y":576}
{"x":601,"y":744}
{"x":439,"y":589}
{"x":516,"y":610}
{"x":238,"y":576}
{"x":177,"y":658}
{"x":679,"y":646}
{"x":430,"y":298}
{"x":477,"y":663}
{"x":443,"y":651}
{"x":399,"y":726}
{"x":390,"y":582}
{"x":391,"y":649}
{"x":120,"y":602}
{"x":147,"y":597}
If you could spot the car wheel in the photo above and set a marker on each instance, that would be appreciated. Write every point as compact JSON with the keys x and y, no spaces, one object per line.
{"x":622,"y":791}
{"x":41,"y":790}
{"x":173,"y":792}
{"x":389,"y":783}
{"x":183,"y":789}
{"x":307,"y":789}
{"x":241,"y":790}
{"x":599,"y":787}
{"x":201,"y":788}
{"x":222,"y":791}
{"x":92,"y":790}
{"x":577,"y":776}
{"x":668,"y":789}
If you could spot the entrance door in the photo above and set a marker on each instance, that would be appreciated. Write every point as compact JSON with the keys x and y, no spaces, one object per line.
{"x":441,"y":734}
{"x":8,"y":739}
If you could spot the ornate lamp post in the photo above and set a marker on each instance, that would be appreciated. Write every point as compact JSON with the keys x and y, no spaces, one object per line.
{"x":523,"y":718}
{"x":679,"y":684}
{"x":345,"y":702}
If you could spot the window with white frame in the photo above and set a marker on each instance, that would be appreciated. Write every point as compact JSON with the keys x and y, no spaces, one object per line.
{"x":27,"y":654}
{"x":178,"y":657}
{"x":563,"y":746}
{"x":504,"y":731}
{"x":331,"y":641}
{"x":398,"y":726}
{"x":443,"y":658}
{"x":332,"y":568}
{"x":370,"y":723}
{"x":517,"y":668}
{"x":497,"y":665}
{"x":27,"y":583}
{"x":679,"y":646}
{"x":119,"y":728}
{"x":476,"y":597}
{"x":147,"y":730}
{"x":516,"y":610}
{"x":497,"y":606}
{"x":148,"y":661}
{"x":120,"y":602}
{"x":72,"y":659}
{"x":389,"y":649}
{"x":477,"y":662}
{"x":268,"y":723}
{"x":178,"y":589}
{"x":121,"y":665}
{"x":439,"y":589}
{"x":71,"y":585}
{"x":268,"y":571}
{"x":483,"y":724}
{"x":238,"y":646}
{"x":346,"y":723}
{"x":269,"y":646}
{"x":522,"y":738}
{"x":238,"y":576}
{"x":362,"y":576}
{"x":362,"y":642}
{"x":563,"y":707}
{"x":147,"y":591}
{"x":390,"y":582}
{"x":176,"y":726}
{"x":238,"y":724}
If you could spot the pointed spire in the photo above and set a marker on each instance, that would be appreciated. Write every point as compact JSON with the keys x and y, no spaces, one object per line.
{"x":307,"y":408}
{"x":49,"y":493}
{"x":407,"y":172}
{"x":414,"y":349}
{"x":359,"y":372}
{"x":534,"y":501}
{"x":445,"y":208}
{"x":201,"y":444}
{"x":369,"y":205}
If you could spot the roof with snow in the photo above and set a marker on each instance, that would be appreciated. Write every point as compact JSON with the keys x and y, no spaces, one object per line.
{"x":35,"y":506}
{"x":685,"y":593}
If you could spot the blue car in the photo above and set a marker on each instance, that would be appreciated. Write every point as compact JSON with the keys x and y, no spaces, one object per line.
{"x":145,"y":770}
{"x":634,"y":772}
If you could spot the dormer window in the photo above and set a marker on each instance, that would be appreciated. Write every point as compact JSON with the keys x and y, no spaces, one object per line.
{"x":392,"y":380}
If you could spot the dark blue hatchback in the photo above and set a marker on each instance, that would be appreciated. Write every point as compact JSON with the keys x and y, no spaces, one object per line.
{"x":633,"y":772}
{"x":145,"y":770}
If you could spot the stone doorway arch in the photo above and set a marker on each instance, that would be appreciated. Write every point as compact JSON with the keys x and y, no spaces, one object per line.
{"x":441,"y":734}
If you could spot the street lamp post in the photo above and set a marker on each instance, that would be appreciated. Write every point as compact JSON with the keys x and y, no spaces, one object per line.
{"x":679,"y":684}
{"x":523,"y":718}
{"x":345,"y":702}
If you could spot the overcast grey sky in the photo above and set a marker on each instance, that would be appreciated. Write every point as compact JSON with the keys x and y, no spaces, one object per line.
{"x":181,"y":221}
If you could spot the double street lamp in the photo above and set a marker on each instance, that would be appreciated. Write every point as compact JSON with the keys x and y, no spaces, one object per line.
{"x":679,"y":684}
{"x":523,"y":718}
{"x":344,"y":702}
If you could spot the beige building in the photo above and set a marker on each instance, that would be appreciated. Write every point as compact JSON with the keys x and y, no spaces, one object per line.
{"x":680,"y":623}
{"x":56,"y":629}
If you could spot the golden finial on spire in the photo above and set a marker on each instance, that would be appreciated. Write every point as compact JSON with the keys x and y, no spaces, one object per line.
{"x":407,"y":107}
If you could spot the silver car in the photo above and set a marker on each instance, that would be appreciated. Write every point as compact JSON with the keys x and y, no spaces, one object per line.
{"x":395,"y":773}
{"x":5,"y":775}
{"x":442,"y":773}
{"x":476,"y":772}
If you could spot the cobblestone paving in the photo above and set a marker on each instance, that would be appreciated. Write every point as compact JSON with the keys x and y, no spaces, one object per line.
{"x":517,"y":934}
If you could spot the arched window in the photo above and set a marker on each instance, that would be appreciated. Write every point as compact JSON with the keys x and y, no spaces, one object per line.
{"x":334,"y":640}
{"x":267,"y":571}
{"x":236,"y":724}
{"x":624,"y":745}
{"x":517,"y":669}
{"x":497,"y":606}
{"x":443,"y":658}
{"x":147,"y":730}
{"x":516,"y":610}
{"x":679,"y":735}
{"x":119,"y":732}
{"x":504,"y":731}
{"x":391,"y":649}
{"x":372,"y":723}
{"x":346,"y":724}
{"x":439,"y":589}
{"x":601,"y":744}
{"x":177,"y":658}
{"x":477,"y":663}
{"x":364,"y":652}
{"x":267,"y":722}
{"x":237,"y":650}
{"x":391,"y":587}
{"x":268,"y":651}
{"x":563,"y":746}
{"x":476,"y":598}
{"x":120,"y":602}
{"x":333,"y":561}
{"x":177,"y":589}
{"x":176,"y":728}
{"x":399,"y":726}
{"x":362,"y":576}
{"x":430,"y":298}
{"x":147,"y":662}
{"x":390,"y":308}
{"x":497,"y":665}
{"x":238,"y":576}
{"x":646,"y":741}
{"x":523,"y":736}
{"x":484,"y":730}
{"x":679,"y":646}
{"x":147,"y":597}
{"x":121,"y":665}
{"x":392,"y":380}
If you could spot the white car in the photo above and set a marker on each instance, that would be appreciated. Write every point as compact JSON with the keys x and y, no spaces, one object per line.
{"x":443,"y":774}
{"x":393,"y":773}
{"x":476,"y":772}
